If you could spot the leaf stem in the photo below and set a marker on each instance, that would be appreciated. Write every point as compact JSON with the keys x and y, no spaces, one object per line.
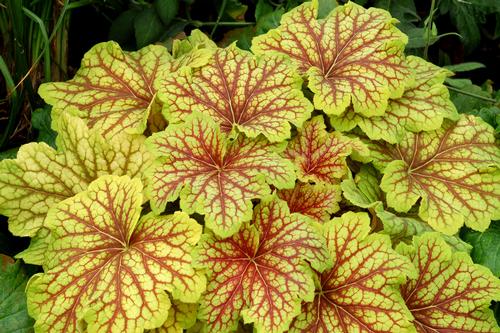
{"x":463,"y":92}
{"x":219,"y":16}
{"x":429,"y":28}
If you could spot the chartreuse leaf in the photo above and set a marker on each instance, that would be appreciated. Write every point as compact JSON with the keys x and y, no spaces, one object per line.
{"x":317,"y":201}
{"x":255,"y":95}
{"x":115,"y":90}
{"x":180,"y":316}
{"x":194,"y":50}
{"x":260,"y":273}
{"x":13,"y":312}
{"x":212,"y":174}
{"x":454,"y":170}
{"x":450,"y":293}
{"x":359,"y":294}
{"x":320,"y":156}
{"x":423,"y":106}
{"x":363,"y":190}
{"x":353,"y":55}
{"x":41,"y":176}
{"x":107,"y":268}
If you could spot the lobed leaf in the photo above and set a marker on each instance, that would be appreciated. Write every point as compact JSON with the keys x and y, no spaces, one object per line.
{"x":450,"y":293}
{"x":320,"y":156}
{"x":423,"y":106}
{"x":359,"y":294}
{"x":180,"y":316}
{"x":454,"y":170}
{"x":213,"y":175}
{"x":41,"y":176}
{"x":107,"y":268}
{"x":255,"y":95}
{"x":260,"y":273}
{"x":315,"y":201}
{"x":354,"y":55}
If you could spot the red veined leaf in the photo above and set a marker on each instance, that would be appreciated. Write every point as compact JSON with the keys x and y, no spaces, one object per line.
{"x":255,"y":95}
{"x":260,"y":273}
{"x":455,"y":170}
{"x":450,"y":293}
{"x":107,"y":268}
{"x":315,"y":201}
{"x":353,"y":55}
{"x":320,"y":156}
{"x":213,"y":175}
{"x":359,"y":294}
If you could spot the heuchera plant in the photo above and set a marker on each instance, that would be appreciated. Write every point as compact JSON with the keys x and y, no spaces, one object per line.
{"x":315,"y":184}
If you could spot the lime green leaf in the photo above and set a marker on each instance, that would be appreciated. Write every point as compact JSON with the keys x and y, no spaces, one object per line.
{"x":320,"y":156}
{"x":109,"y":267}
{"x":363,"y":190}
{"x":454,"y":170}
{"x":359,"y":294}
{"x":403,"y":228}
{"x":254,"y":95}
{"x":450,"y":293}
{"x":40,"y":176}
{"x":180,"y":316}
{"x":353,"y":55}
{"x":315,"y":201}
{"x":423,"y":106}
{"x":113,"y":89}
{"x":260,"y":272}
{"x":193,"y":51}
{"x":13,"y":312}
{"x":486,"y":249}
{"x":214,"y":175}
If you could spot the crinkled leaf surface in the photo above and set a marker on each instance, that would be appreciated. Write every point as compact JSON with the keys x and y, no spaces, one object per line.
{"x":13,"y":312}
{"x":40,"y":176}
{"x":353,"y":55}
{"x":486,"y":246}
{"x":423,"y":106}
{"x":315,"y":201}
{"x":108,"y":266}
{"x":455,"y":170}
{"x":320,"y":156}
{"x":359,"y":294}
{"x":213,"y":175}
{"x":180,"y":316}
{"x":450,"y":293}
{"x":238,"y":90}
{"x":260,"y":272}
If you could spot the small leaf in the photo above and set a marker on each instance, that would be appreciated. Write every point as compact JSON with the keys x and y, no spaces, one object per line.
{"x":353,"y":55}
{"x":214,"y":175}
{"x":450,"y":293}
{"x":41,"y":120}
{"x":255,"y":95}
{"x":122,"y":28}
{"x":148,"y":27}
{"x":454,"y":170}
{"x":359,"y":294}
{"x":465,"y":67}
{"x":166,"y":10}
{"x":423,"y":106}
{"x":180,"y":316}
{"x":315,"y":201}
{"x":486,"y":249}
{"x":13,"y":312}
{"x":41,"y":176}
{"x":110,"y":267}
{"x":363,"y":191}
{"x":260,"y":273}
{"x":320,"y":156}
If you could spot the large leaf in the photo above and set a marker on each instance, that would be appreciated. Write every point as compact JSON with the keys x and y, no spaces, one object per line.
{"x":454,"y":170}
{"x":359,"y":294}
{"x":423,"y":106}
{"x":353,"y":55}
{"x":212,"y":174}
{"x":320,"y":156}
{"x":40,"y":176}
{"x":315,"y":201}
{"x":13,"y":312}
{"x":109,"y":267}
{"x":450,"y":293}
{"x":115,"y":90}
{"x":260,"y":273}
{"x":238,"y":90}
